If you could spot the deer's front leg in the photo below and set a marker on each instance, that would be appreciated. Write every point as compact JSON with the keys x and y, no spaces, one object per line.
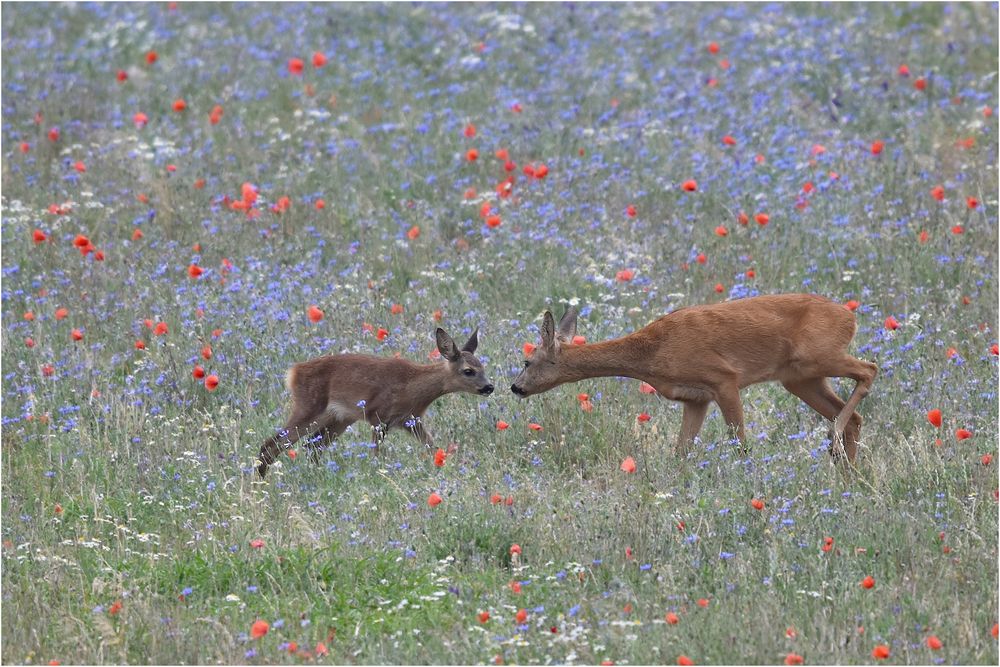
{"x":378,"y":435}
{"x":421,"y":434}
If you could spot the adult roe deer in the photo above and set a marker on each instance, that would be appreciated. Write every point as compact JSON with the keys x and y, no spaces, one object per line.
{"x":700,"y":354}
{"x":331,"y":393}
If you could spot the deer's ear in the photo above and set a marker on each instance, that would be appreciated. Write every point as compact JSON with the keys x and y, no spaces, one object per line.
{"x":446,"y":346}
{"x":567,"y":325}
{"x":473,"y":342}
{"x":548,"y":331}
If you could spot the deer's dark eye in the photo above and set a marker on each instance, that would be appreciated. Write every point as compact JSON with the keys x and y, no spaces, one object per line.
{"x":468,"y":372}
{"x":526,"y":363}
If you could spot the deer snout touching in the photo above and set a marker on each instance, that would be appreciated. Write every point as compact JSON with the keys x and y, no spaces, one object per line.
{"x":487,"y":390}
{"x":517,"y":390}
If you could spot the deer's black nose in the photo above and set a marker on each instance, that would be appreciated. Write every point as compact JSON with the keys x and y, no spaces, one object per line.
{"x":487,"y":390}
{"x":517,"y":390}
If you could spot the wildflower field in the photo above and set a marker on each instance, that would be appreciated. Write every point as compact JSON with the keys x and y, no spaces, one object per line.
{"x":197,"y":196}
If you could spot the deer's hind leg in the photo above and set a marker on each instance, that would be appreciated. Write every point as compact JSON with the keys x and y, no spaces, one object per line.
{"x":324,"y":437}
{"x":817,"y":394}
{"x":863,"y":373}
{"x":301,"y":423}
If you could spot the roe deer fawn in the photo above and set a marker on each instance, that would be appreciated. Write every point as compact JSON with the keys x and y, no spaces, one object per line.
{"x":331,"y":393}
{"x":707,"y":353}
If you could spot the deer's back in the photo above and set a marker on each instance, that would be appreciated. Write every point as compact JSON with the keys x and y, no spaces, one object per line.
{"x":758,"y":338}
{"x":352,"y":385}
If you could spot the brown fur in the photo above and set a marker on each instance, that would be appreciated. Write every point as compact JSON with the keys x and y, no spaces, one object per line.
{"x":327,"y":391}
{"x":705,"y":354}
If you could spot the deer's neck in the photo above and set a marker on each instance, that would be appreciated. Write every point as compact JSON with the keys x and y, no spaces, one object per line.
{"x":629,"y":356}
{"x":428,"y":383}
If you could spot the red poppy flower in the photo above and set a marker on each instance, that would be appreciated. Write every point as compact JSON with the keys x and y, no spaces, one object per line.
{"x":672,"y":618}
{"x":194,"y":271}
{"x":535,"y":427}
{"x":868,"y":582}
{"x":701,"y":258}
{"x":413,"y":233}
{"x":396,"y":309}
{"x":502,"y":425}
{"x":61,"y":313}
{"x":827,"y":544}
{"x":54,"y":134}
{"x":320,"y":204}
{"x":116,"y":607}
{"x":483,"y":616}
{"x":493,"y":221}
{"x":315,"y":314}
{"x":295,"y":66}
{"x":643,"y":417}
{"x":151,"y":57}
{"x":76,"y":334}
{"x":121,"y":76}
{"x":728,"y":140}
{"x":757,"y":504}
{"x":630,"y":211}
{"x":689,"y":185}
{"x":713,"y":48}
{"x":521,"y":616}
{"x":877,"y":147}
{"x":212,"y":382}
{"x":472,"y":155}
{"x":624,"y":275}
{"x":541,"y":171}
{"x":529,"y":349}
{"x":319,"y":59}
{"x":439,"y":457}
{"x":496,"y":498}
{"x":934,"y":417}
{"x":923,"y":236}
{"x":434,"y":499}
{"x":515,"y":549}
{"x":703,"y":602}
{"x":721,"y":231}
{"x":762,"y":219}
{"x":852,"y":305}
{"x":972,"y":202}
{"x":470,"y":131}
{"x":880,"y":652}
{"x":381,"y":333}
{"x":38,"y":236}
{"x":891,"y":323}
{"x":259,"y":629}
{"x":179,"y":105}
{"x":933,"y":643}
{"x":920,"y":84}
{"x":684,"y":661}
{"x":628,"y":465}
{"x":963,"y":434}
{"x":794,"y":659}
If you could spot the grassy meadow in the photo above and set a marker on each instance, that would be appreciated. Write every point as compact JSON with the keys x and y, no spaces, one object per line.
{"x":186,"y":186}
